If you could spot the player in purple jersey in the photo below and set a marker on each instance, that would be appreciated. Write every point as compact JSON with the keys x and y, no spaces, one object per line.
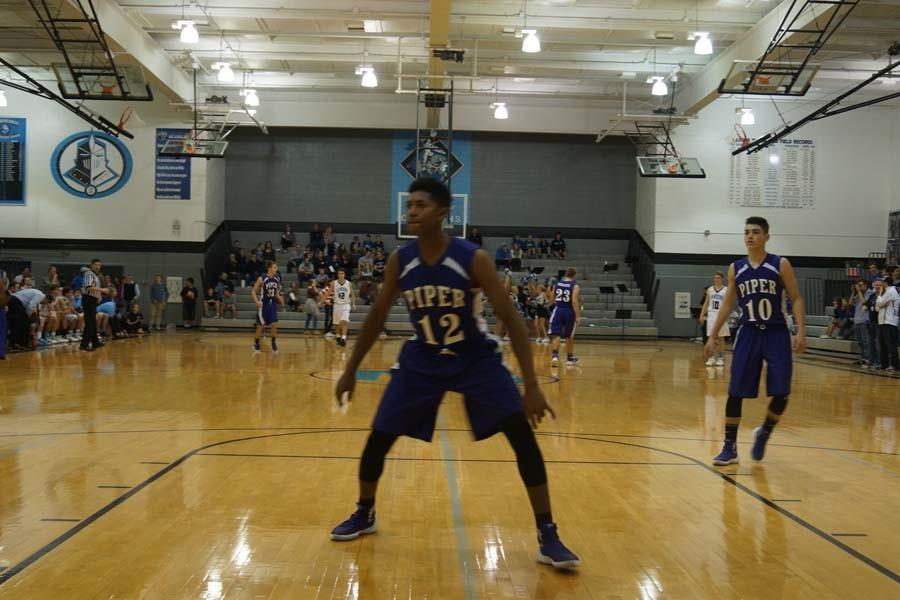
{"x":566,"y":316}
{"x":266,"y":294}
{"x":439,"y":277}
{"x":758,"y":283}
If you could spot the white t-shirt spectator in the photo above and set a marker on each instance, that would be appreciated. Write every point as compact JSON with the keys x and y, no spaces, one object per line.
{"x":31,"y":299}
{"x":888,"y":305}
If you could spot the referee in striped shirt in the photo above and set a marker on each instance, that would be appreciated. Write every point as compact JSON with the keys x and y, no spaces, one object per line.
{"x":90,"y":298}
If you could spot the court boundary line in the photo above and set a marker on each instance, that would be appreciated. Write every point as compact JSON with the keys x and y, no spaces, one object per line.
{"x":38,"y":554}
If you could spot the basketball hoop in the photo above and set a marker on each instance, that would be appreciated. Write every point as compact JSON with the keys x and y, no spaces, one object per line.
{"x":107,"y":90}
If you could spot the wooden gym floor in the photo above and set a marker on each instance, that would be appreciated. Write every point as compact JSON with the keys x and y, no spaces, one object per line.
{"x":181,"y":466}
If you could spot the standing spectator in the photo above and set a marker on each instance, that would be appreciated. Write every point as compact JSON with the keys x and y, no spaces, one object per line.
{"x":288,"y":239}
{"x":159,"y":296}
{"x":368,"y":244}
{"x":242,"y":260}
{"x":872,"y":272}
{"x":316,"y":239}
{"x":91,"y":293}
{"x":268,"y":252}
{"x":558,"y":246}
{"x":50,"y":279}
{"x":330,"y":246}
{"x":326,"y":299}
{"x":22,"y":308}
{"x":860,"y":297}
{"x":188,"y":303}
{"x":229,"y":303}
{"x":134,"y":320}
{"x":5,"y":297}
{"x":874,"y":344}
{"x":544,"y":247}
{"x":474,"y":236}
{"x":888,"y":306}
{"x":311,"y":307}
{"x":232,"y":267}
{"x":131,"y":291}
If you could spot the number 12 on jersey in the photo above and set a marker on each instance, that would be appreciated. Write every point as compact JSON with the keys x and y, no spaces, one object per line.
{"x":450,"y":323}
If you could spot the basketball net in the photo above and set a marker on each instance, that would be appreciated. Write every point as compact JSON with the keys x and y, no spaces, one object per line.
{"x":741,"y":135}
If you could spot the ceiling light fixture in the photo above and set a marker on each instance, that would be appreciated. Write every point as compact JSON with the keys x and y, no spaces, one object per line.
{"x":659,"y":87}
{"x":369,"y":79}
{"x":189,"y":33}
{"x":3,"y":101}
{"x":774,"y":159}
{"x":531,"y":42}
{"x":747,"y":116}
{"x":250,"y":97}
{"x":500,"y":111}
{"x":703,"y":45}
{"x":225,"y":75}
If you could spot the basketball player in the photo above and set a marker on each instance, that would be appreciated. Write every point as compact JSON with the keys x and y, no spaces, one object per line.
{"x":565,"y":317}
{"x":344,"y":302}
{"x":438,"y":277}
{"x":715,"y":294}
{"x":267,"y":305}
{"x":757,"y":283}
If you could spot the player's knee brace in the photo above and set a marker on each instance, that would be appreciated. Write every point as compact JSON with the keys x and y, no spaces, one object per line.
{"x":733,"y":407}
{"x":778,"y":404}
{"x":528,"y":453}
{"x":377,"y":446}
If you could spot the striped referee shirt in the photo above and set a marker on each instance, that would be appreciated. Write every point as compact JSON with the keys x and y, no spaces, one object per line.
{"x":90,"y":281}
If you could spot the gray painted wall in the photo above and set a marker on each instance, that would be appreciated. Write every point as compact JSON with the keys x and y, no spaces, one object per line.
{"x":345,"y":176}
{"x":140,"y":265}
{"x":693,"y":278}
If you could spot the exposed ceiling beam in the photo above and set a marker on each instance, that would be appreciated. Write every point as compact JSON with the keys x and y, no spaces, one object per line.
{"x":702,"y":88}
{"x":439,"y":37}
{"x":144,"y":49}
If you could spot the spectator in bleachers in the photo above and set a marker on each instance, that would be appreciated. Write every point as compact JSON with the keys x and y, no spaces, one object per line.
{"x":242,"y":260}
{"x":474,"y":236}
{"x":108,"y":320}
{"x":22,"y":277}
{"x":268,"y":253}
{"x":530,"y":247}
{"x":378,"y":265}
{"x":368,"y":244}
{"x":356,"y":249}
{"x":294,"y":297}
{"x":322,"y":278}
{"x":232,"y":267}
{"x":501,"y":257}
{"x":222,"y":284}
{"x":253,"y":269}
{"x":50,"y":279}
{"x":229,"y":303}
{"x":4,"y":301}
{"x":888,"y":306}
{"x":77,"y":281}
{"x":516,"y":240}
{"x":288,"y":239}
{"x":316,"y":239}
{"x":860,"y":298}
{"x":73,"y":317}
{"x":838,"y":317}
{"x":311,"y":307}
{"x":379,"y":245}
{"x":331,"y":243}
{"x":515,"y":258}
{"x":543,"y":247}
{"x":558,"y":246}
{"x":211,"y":304}
{"x":159,"y":296}
{"x":134,"y":320}
{"x":257,"y":251}
{"x":48,"y":322}
{"x":131,"y":291}
{"x":872,"y":272}
{"x":305,"y":270}
{"x":189,"y":303}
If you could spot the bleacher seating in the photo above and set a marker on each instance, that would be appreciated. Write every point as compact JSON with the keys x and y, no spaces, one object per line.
{"x":598,"y":317}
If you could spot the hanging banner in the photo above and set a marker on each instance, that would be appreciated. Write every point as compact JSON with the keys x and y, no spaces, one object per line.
{"x":173,"y":173}
{"x":12,"y":161}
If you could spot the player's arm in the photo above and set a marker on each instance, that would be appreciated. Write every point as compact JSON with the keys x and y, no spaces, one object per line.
{"x":793,"y":289}
{"x":352,"y":296}
{"x":255,"y":290}
{"x":725,"y":309}
{"x":372,"y":326}
{"x":704,"y":305}
{"x":576,"y":303}
{"x":484,"y":275}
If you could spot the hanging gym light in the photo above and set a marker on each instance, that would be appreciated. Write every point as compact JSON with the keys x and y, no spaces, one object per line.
{"x":3,"y":101}
{"x":250,"y":97}
{"x":225,"y":74}
{"x":500,"y":111}
{"x":746,"y":116}
{"x":531,"y":43}
{"x":369,"y":79}
{"x":703,"y":45}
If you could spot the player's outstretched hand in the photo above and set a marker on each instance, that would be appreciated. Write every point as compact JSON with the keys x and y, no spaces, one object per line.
{"x":710,"y":348}
{"x":343,"y":391}
{"x":799,"y":344}
{"x":536,"y":406}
